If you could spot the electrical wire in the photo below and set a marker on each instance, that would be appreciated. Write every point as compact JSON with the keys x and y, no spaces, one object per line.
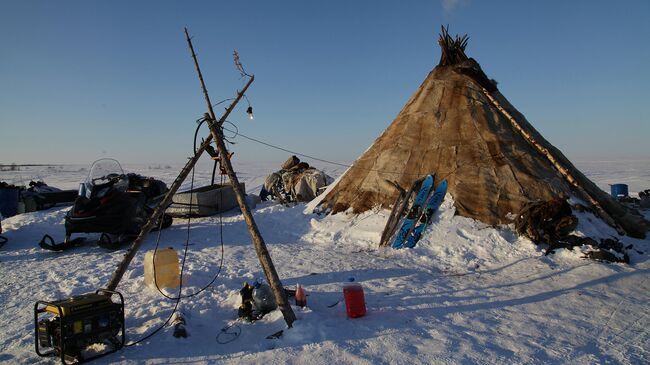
{"x":189,"y":219}
{"x":180,"y":288}
{"x":496,"y":155}
{"x":312,"y":157}
{"x":177,"y":301}
{"x":236,"y":132}
{"x":286,"y":150}
{"x":223,"y":101}
{"x":200,"y":121}
{"x":224,"y":331}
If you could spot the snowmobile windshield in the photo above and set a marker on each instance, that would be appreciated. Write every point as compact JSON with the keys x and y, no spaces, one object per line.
{"x":105,"y":174}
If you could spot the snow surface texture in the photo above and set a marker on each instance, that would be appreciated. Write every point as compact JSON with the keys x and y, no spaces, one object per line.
{"x":467,"y":293}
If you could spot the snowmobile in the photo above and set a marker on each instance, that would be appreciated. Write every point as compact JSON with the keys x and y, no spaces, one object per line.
{"x":112,"y":203}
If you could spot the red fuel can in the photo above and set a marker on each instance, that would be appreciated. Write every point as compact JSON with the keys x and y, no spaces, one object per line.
{"x":355,"y":302}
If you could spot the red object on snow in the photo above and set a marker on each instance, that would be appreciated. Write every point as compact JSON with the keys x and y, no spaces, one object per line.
{"x":301,"y":297}
{"x":355,"y":302}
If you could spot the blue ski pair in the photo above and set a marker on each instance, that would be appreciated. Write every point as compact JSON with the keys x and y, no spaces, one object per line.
{"x":409,"y":234}
{"x":425,"y":220}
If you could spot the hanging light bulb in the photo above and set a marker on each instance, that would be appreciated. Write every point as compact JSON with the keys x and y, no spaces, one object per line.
{"x":249,"y":111}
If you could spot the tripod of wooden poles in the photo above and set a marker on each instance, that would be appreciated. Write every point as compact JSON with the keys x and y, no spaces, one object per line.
{"x":216,"y":134}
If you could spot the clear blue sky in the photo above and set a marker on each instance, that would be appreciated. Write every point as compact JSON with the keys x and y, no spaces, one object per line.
{"x":80,"y":80}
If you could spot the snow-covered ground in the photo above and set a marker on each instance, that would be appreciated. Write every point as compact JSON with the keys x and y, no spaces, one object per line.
{"x":468,"y":293}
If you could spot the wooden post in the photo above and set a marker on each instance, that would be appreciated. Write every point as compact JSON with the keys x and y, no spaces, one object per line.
{"x":160,"y":209}
{"x":260,"y":247}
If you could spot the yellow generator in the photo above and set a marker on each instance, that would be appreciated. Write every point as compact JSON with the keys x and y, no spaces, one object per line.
{"x":80,"y":328}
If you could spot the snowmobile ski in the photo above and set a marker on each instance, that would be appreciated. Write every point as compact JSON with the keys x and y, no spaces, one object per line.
{"x":105,"y":241}
{"x":115,"y":243}
{"x":414,"y":213}
{"x":427,"y":216}
{"x":47,"y":242}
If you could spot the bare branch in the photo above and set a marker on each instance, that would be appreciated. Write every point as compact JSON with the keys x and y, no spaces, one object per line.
{"x":238,"y":64}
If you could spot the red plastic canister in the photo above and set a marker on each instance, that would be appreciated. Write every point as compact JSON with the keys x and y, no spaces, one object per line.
{"x":355,"y":302}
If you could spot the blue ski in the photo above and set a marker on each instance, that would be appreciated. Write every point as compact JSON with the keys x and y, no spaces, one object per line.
{"x":415,"y":212}
{"x":425,"y":220}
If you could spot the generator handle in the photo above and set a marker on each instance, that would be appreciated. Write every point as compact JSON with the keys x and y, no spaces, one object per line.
{"x":38,"y":310}
{"x":111,"y":292}
{"x":45,"y":302}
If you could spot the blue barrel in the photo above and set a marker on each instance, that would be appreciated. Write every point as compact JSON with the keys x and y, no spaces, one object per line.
{"x":9,"y":202}
{"x":619,"y":190}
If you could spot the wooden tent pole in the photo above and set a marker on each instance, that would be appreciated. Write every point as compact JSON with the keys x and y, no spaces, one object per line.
{"x":561,"y":169}
{"x":260,"y":247}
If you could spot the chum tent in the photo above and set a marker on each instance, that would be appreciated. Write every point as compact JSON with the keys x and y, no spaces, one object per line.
{"x":459,"y":126}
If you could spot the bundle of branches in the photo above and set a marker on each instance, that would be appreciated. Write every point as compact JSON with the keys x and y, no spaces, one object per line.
{"x":453,"y":54}
{"x":453,"y":48}
{"x":551,"y":222}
